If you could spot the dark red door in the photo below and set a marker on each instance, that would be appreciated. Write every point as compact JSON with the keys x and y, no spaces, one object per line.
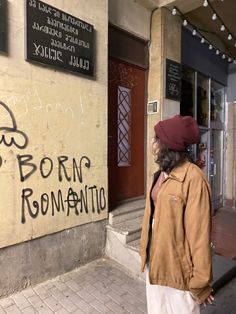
{"x":126,"y":97}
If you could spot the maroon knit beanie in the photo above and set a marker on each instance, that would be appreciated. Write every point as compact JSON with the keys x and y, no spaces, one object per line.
{"x":178,"y":133}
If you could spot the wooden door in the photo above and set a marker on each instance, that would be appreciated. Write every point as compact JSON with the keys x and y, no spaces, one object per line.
{"x":126,"y":97}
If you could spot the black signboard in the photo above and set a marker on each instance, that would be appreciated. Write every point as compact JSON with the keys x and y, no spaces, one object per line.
{"x":56,"y":38}
{"x":173,"y":80}
{"x":3,"y":25}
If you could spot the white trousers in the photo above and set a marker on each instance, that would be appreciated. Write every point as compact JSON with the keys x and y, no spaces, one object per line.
{"x":166,"y":300}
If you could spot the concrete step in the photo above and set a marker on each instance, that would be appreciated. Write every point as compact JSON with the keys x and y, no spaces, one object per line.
{"x":123,"y":254}
{"x":129,"y":230}
{"x":126,"y":211}
{"x":134,"y":245}
{"x":123,"y":235}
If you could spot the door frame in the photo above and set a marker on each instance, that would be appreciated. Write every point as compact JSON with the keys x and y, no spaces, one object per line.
{"x":140,"y":61}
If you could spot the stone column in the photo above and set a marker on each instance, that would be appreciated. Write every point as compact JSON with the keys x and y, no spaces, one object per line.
{"x":165,"y":43}
{"x":230,"y":184}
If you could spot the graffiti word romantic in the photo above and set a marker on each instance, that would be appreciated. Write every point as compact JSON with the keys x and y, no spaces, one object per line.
{"x":76,"y":202}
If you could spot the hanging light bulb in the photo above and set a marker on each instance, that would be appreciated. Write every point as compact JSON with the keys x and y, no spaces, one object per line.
{"x":229,"y":59}
{"x":210,"y":47}
{"x":222,"y":28}
{"x":185,"y":23}
{"x":174,"y":11}
{"x":202,"y":40}
{"x":205,"y":3}
{"x":217,"y":52}
{"x":234,"y":61}
{"x":223,"y":56}
{"x":235,"y":44}
{"x":194,"y":32}
{"x":214,"y":16}
{"x":230,"y":37}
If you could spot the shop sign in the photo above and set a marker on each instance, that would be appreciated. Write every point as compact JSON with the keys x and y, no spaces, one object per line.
{"x":3,"y":26}
{"x":58,"y":39}
{"x":173,"y":80}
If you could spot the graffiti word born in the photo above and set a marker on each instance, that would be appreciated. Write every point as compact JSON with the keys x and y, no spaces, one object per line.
{"x":47,"y":166}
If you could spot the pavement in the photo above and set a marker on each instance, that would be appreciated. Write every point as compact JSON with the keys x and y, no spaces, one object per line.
{"x":225,"y":300}
{"x":102,"y":286}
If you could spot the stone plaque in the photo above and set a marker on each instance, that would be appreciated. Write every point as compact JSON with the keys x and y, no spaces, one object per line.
{"x":3,"y":26}
{"x":173,"y":80}
{"x":58,"y":39}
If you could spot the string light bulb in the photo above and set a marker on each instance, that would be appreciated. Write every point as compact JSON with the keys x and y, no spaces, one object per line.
{"x":217,"y":52}
{"x":194,"y":32}
{"x":223,"y":56}
{"x":210,"y":47}
{"x":174,"y":11}
{"x":230,"y":37}
{"x":235,"y":44}
{"x":202,"y":40}
{"x":185,"y":23}
{"x":214,"y":16}
{"x":205,"y":3}
{"x":222,"y":28}
{"x":229,"y":59}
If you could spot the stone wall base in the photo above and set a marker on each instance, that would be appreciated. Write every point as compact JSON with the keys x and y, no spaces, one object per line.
{"x":43,"y":258}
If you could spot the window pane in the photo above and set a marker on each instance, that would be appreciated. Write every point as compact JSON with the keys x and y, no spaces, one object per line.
{"x":217,"y":102}
{"x":187,"y":94}
{"x":216,"y":162}
{"x":123,"y":127}
{"x":202,"y":100}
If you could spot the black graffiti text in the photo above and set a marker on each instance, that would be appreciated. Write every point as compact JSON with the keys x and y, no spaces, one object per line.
{"x":90,"y":199}
{"x":47,"y":166}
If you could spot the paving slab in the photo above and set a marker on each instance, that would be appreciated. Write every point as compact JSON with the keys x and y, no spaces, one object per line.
{"x":103,"y":286}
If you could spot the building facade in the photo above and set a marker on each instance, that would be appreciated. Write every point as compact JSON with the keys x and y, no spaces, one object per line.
{"x":75,"y":144}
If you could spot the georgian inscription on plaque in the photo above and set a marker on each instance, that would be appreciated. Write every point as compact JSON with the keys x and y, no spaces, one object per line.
{"x":56,"y":38}
{"x":173,"y":80}
{"x":3,"y":26}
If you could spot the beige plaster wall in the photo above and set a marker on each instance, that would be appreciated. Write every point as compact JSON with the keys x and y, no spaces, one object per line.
{"x":165,"y":43}
{"x":230,"y":186}
{"x":130,"y":16}
{"x":57,"y":114}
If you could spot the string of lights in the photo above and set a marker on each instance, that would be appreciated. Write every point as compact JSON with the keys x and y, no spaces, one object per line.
{"x":197,"y":32}
{"x":216,"y":16}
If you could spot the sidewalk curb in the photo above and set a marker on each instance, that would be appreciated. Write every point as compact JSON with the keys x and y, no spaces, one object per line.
{"x":225,"y":279}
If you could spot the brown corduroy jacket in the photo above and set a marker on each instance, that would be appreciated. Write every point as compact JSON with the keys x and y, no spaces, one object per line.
{"x":180,"y":248}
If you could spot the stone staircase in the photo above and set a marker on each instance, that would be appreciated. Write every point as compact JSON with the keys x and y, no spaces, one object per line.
{"x":123,"y":235}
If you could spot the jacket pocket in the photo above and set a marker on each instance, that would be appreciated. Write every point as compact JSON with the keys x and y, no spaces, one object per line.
{"x":184,"y":261}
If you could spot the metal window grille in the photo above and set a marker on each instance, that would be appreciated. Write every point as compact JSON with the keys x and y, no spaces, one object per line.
{"x":124,"y":127}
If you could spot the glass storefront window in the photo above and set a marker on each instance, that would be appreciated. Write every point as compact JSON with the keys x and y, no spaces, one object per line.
{"x":217,"y":102}
{"x":188,"y":95}
{"x":203,"y":151}
{"x":216,"y":157}
{"x":202,"y":100}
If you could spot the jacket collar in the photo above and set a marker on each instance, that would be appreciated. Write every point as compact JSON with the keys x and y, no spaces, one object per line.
{"x":178,"y":173}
